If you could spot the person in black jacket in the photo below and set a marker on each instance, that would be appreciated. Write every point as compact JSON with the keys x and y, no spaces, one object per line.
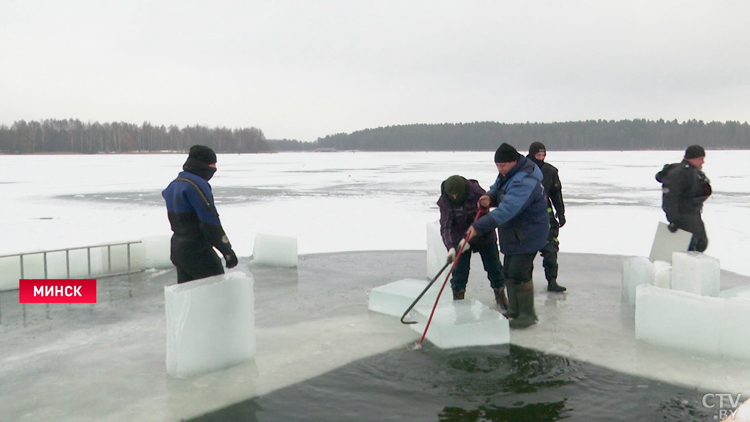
{"x":684,"y":190}
{"x":195,"y":221}
{"x":458,"y":209}
{"x":553,"y":188}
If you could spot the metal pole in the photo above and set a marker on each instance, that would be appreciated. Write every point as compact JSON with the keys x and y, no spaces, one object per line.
{"x":67,"y":262}
{"x":45,"y":265}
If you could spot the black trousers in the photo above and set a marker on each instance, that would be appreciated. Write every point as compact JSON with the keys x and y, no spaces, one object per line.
{"x":194,"y":265}
{"x":519,"y":268}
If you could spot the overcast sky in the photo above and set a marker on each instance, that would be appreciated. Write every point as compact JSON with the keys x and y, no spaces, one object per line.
{"x":305,"y":69}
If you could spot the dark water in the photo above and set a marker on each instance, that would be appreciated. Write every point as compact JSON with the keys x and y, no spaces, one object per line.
{"x":499,"y":383}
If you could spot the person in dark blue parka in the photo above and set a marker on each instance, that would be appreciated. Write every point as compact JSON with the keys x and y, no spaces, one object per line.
{"x":521,"y":218}
{"x":195,"y":221}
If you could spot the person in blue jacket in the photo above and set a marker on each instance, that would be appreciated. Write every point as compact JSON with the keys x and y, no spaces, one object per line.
{"x":195,"y":221}
{"x":522,"y":221}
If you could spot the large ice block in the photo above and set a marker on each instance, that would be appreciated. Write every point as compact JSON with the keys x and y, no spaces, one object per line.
{"x":152,"y":252}
{"x":666,"y":242}
{"x":677,"y":319}
{"x":210,"y":324}
{"x":436,"y":251}
{"x":396,"y":297}
{"x":636,"y":270}
{"x":734,"y":341}
{"x":275,"y":251}
{"x":696,"y":272}
{"x":462,"y":323}
{"x":662,"y":274}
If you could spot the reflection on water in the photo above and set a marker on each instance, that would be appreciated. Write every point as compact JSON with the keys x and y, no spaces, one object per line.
{"x":497,"y":383}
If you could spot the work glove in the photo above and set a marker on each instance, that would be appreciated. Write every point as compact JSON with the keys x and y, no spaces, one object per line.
{"x":561,"y":219}
{"x":672,"y":227}
{"x":463,"y":248}
{"x":451,"y":255}
{"x":231,"y":258}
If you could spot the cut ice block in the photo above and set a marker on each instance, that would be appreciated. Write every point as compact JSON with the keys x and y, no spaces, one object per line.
{"x":734,"y":341}
{"x":462,"y":323}
{"x":210,"y":324}
{"x":696,"y":272}
{"x":677,"y":319}
{"x":396,"y":297}
{"x":152,"y":252}
{"x":662,"y":274}
{"x":636,"y":270}
{"x":666,"y":242}
{"x":436,"y":251}
{"x":275,"y":251}
{"x":742,"y":291}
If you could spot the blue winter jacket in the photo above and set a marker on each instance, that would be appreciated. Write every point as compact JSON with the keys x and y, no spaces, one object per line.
{"x":521,"y":210}
{"x":193,"y":217}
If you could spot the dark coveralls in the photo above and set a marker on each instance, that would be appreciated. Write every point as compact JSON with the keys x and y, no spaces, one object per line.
{"x":684,"y":190}
{"x":553,"y":188}
{"x":455,"y":219}
{"x":197,"y":229}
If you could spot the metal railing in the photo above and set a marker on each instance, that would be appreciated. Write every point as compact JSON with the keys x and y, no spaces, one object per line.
{"x":88,"y":249}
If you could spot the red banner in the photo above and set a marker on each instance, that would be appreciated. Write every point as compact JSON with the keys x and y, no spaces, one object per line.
{"x":56,"y":291}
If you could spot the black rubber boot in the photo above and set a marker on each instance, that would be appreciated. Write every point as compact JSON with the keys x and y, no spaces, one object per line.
{"x":500,"y":298}
{"x":512,"y":311}
{"x":458,"y":294}
{"x":526,"y":313}
{"x":552,"y":286}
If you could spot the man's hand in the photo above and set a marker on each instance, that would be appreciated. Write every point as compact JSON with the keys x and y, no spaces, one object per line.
{"x":561,"y":219}
{"x":451,"y":255}
{"x":672,"y":227}
{"x":484,"y":201}
{"x":231,"y":258}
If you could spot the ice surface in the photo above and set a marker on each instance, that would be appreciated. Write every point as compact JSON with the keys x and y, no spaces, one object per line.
{"x":666,"y":242}
{"x":210,"y":324}
{"x":461,"y":323}
{"x":274,"y":250}
{"x":734,"y":341}
{"x":396,"y":297}
{"x":692,"y":322}
{"x":696,"y":272}
{"x":677,"y":319}
{"x":436,"y":251}
{"x":636,"y":270}
{"x":662,"y":274}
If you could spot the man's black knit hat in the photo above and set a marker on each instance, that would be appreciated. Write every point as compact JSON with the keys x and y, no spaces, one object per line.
{"x":506,"y":153}
{"x":203,"y":154}
{"x":536,"y":147}
{"x":695,"y":151}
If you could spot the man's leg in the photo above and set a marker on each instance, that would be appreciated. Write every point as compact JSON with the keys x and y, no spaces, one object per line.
{"x":493,"y":267}
{"x":197,"y":266}
{"x":549,"y":261}
{"x":518,"y":279}
{"x":460,"y":275}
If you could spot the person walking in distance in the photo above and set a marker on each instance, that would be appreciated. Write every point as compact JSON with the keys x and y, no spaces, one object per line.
{"x":553,"y":188}
{"x":684,"y":190}
{"x":459,"y":207}
{"x":194,"y":220}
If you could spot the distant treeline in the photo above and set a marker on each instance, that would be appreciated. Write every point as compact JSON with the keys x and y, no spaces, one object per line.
{"x":74,"y":136}
{"x":591,"y":135}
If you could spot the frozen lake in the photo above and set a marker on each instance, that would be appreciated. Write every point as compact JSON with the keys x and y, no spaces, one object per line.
{"x":321,"y":354}
{"x":353,"y":201}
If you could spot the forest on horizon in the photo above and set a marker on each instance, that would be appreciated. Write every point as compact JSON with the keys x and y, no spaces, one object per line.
{"x":74,"y":136}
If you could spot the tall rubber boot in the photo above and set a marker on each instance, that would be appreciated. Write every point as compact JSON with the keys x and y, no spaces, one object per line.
{"x":552,"y":286}
{"x":500,"y":298}
{"x":458,"y":294}
{"x":526,"y":313}
{"x":512,"y":311}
